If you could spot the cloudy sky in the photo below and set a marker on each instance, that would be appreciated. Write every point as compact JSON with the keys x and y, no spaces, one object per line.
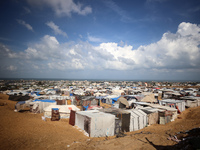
{"x":100,"y":39}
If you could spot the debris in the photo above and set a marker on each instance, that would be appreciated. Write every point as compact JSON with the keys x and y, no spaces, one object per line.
{"x":120,"y":134}
{"x":143,"y":133}
{"x":174,"y":138}
{"x":3,"y":103}
{"x":44,"y":118}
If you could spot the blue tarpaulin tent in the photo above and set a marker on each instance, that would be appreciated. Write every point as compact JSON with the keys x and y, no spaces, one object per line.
{"x":44,"y":100}
{"x":86,"y":107}
{"x":115,"y":99}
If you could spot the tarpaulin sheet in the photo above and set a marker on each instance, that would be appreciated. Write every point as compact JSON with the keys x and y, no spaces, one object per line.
{"x":96,"y":124}
{"x":44,"y":100}
{"x":115,"y":99}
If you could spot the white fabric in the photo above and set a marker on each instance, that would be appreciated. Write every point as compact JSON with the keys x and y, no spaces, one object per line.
{"x":64,"y":110}
{"x":101,"y":124}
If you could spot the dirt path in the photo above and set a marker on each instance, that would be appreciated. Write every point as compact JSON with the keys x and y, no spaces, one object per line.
{"x":28,"y":131}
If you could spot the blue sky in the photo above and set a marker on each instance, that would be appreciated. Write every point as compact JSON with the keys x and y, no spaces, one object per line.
{"x":100,"y":39}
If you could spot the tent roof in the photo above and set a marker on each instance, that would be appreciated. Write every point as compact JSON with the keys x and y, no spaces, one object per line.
{"x":44,"y":100}
{"x":149,"y":98}
{"x":116,"y":98}
{"x":62,"y":108}
{"x":123,"y":101}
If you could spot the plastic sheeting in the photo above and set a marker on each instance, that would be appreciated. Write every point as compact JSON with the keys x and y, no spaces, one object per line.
{"x":134,"y":123}
{"x":44,"y":100}
{"x":138,"y":120}
{"x":122,"y":120}
{"x":174,"y":104}
{"x":64,"y":110}
{"x":95,"y":123}
{"x":41,"y":104}
{"x":115,"y":99}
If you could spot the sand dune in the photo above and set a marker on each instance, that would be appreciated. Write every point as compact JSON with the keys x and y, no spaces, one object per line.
{"x":24,"y":130}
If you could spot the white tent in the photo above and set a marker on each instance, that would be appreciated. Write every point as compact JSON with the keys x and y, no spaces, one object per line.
{"x":39,"y":105}
{"x":142,"y":118}
{"x":95,"y":123}
{"x":133,"y":121}
{"x":178,"y":104}
{"x":117,"y":92}
{"x":64,"y":110}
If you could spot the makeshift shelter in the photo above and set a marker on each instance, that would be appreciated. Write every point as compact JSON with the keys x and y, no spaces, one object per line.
{"x":165,"y":116}
{"x":134,"y":121}
{"x":117,"y":92}
{"x":140,"y":104}
{"x":149,"y":98}
{"x":130,"y":99}
{"x":152,"y":115}
{"x":178,"y":104}
{"x":95,"y":123}
{"x":57,"y":97}
{"x":61,"y":102}
{"x":123,"y":103}
{"x":37,"y":106}
{"x":115,"y":99}
{"x":191,"y":101}
{"x":142,"y":119}
{"x":64,"y":110}
{"x":167,"y":109}
{"x":86,"y":101}
{"x":122,"y":120}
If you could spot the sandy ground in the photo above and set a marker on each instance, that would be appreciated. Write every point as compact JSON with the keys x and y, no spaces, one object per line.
{"x":24,"y":130}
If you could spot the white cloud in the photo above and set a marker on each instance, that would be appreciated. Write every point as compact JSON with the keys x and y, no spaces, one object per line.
{"x":174,"y":52}
{"x":12,"y":68}
{"x":56,"y":29}
{"x":28,"y":26}
{"x":93,"y":38}
{"x":188,"y":29}
{"x":6,"y":52}
{"x":47,"y":48}
{"x":63,"y":7}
